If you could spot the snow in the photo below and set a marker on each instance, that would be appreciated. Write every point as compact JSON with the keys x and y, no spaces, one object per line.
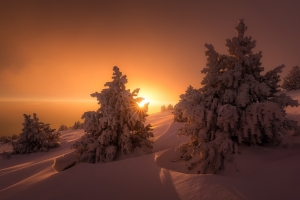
{"x":64,"y":162}
{"x":255,"y":173}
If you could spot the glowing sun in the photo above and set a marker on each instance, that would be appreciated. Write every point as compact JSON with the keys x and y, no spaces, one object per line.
{"x":142,"y":103}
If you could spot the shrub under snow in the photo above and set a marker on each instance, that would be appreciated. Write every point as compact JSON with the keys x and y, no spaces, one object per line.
{"x":117,"y":127}
{"x":35,"y":136}
{"x":235,"y":105}
{"x":292,"y":80}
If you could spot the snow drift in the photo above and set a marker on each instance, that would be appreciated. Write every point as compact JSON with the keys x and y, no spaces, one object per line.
{"x":257,"y":173}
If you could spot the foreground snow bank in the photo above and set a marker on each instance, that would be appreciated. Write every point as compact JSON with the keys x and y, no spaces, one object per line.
{"x":64,"y":162}
{"x":258,"y":173}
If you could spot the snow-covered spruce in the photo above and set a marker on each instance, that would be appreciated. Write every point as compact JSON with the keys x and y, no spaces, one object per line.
{"x":117,"y":127}
{"x":63,"y":127}
{"x":36,"y":136}
{"x":163,"y":108}
{"x":170,"y":107}
{"x":189,"y":99}
{"x":292,"y":80}
{"x":77,"y":125}
{"x":235,"y":105}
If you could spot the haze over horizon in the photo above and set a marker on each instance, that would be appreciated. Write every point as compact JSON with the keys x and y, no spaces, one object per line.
{"x":53,"y":51}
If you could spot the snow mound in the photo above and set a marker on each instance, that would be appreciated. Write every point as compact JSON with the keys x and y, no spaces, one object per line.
{"x":64,"y":162}
{"x":257,"y":173}
{"x":169,"y":139}
{"x":6,"y":147}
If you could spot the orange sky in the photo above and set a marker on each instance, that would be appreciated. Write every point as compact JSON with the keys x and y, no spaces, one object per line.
{"x":67,"y":49}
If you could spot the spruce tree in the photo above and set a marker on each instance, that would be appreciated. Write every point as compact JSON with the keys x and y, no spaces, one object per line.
{"x":292,"y":80}
{"x":36,"y":136}
{"x":77,"y":125}
{"x":63,"y":127}
{"x":117,"y":127}
{"x":170,"y":107}
{"x":236,"y":105}
{"x":163,"y":108}
{"x":186,"y":100}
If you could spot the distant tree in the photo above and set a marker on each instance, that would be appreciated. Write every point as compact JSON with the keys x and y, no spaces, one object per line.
{"x":292,"y":80}
{"x":35,"y":136}
{"x":5,"y":139}
{"x":170,"y":107}
{"x":14,"y":137}
{"x":236,"y":105}
{"x":77,"y":125}
{"x":63,"y":127}
{"x":117,"y":127}
{"x":8,"y":139}
{"x":163,"y":108}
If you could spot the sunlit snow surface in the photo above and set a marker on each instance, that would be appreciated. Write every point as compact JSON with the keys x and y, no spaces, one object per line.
{"x":256,"y":173}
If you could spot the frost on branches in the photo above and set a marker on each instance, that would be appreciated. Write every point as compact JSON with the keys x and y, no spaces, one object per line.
{"x":236,"y":105}
{"x":189,"y":99}
{"x":36,"y":136}
{"x":117,"y":127}
{"x":292,"y":80}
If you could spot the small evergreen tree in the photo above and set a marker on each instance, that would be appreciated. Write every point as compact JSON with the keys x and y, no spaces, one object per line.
{"x":170,"y":107}
{"x":236,"y":105}
{"x":63,"y":127}
{"x":117,"y":127}
{"x":14,"y":137}
{"x":35,"y":136}
{"x":163,"y":108}
{"x":8,"y":139}
{"x":292,"y":80}
{"x":5,"y":139}
{"x":77,"y":125}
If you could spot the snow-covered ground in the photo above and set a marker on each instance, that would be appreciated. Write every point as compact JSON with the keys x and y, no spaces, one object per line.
{"x":256,"y":173}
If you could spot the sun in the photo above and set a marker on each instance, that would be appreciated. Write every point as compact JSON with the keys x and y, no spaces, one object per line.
{"x":142,"y":103}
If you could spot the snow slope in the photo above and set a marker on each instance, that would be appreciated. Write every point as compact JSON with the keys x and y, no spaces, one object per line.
{"x":256,"y":173}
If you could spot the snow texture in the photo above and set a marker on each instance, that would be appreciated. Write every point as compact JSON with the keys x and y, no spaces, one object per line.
{"x":64,"y":162}
{"x":257,"y":173}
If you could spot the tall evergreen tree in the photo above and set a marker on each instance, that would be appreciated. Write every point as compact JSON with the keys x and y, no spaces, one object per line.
{"x":235,"y":105}
{"x":117,"y":127}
